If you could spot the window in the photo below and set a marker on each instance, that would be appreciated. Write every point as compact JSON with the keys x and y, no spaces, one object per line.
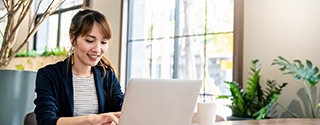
{"x":167,"y":39}
{"x":177,"y":39}
{"x":54,"y":31}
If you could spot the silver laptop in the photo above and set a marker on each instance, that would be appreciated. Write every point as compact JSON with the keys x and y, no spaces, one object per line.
{"x":159,"y":101}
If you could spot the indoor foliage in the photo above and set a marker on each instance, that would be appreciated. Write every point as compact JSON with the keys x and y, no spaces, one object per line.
{"x":253,"y":102}
{"x":307,"y":73}
{"x":16,"y":12}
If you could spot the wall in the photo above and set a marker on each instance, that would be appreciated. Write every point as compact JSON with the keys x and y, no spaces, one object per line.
{"x":289,"y":28}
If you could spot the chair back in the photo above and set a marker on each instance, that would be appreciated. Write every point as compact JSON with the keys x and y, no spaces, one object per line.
{"x":30,"y":119}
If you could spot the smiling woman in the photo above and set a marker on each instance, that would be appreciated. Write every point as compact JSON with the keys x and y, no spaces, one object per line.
{"x":83,"y":88}
{"x":88,"y":49}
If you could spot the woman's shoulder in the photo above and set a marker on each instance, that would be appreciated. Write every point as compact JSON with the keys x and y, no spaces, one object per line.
{"x":58,"y":66}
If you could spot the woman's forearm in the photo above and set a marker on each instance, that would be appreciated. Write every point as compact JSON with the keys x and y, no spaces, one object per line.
{"x":94,"y":119}
{"x":79,"y":120}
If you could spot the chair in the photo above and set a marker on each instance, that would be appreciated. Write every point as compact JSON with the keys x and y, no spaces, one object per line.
{"x":195,"y":119}
{"x":30,"y":119}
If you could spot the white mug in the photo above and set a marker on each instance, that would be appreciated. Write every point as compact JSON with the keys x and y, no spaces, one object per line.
{"x":206,"y":113}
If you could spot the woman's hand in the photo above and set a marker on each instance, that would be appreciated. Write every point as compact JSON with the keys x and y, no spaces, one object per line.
{"x":117,"y":114}
{"x":111,"y":118}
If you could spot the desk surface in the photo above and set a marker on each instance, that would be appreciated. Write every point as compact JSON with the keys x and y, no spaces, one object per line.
{"x":274,"y":121}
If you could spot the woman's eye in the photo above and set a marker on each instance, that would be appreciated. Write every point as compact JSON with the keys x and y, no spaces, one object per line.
{"x":89,"y":41}
{"x":104,"y":42}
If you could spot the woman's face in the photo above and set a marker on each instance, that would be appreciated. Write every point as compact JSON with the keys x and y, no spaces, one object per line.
{"x":89,"y":49}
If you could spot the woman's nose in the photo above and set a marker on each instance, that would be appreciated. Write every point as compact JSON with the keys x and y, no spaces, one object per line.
{"x":96,"y":47}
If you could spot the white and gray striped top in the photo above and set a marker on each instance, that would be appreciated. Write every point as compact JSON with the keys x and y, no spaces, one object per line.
{"x":85,"y":96}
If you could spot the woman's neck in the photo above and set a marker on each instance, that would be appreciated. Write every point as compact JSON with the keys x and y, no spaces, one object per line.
{"x":81,"y":71}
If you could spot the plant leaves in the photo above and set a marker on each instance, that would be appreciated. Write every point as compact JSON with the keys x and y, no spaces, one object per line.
{"x":253,"y":101}
{"x":297,"y":70}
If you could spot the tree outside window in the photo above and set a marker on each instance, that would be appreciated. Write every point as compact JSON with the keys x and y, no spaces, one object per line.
{"x":54,"y":31}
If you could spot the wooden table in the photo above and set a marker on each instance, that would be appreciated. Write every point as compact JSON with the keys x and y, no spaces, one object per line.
{"x":274,"y":121}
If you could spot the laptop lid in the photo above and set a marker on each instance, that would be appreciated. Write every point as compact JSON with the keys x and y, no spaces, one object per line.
{"x":159,"y":101}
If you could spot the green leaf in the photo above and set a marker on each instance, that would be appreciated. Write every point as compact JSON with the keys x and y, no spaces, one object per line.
{"x":276,"y":62}
{"x":19,"y":67}
{"x":280,"y":57}
{"x":283,"y":68}
{"x":223,"y":97}
{"x":297,"y":77}
{"x":314,"y":71}
{"x":301,"y":66}
{"x":255,"y":61}
{"x":290,"y":72}
{"x":297,"y":70}
{"x":309,"y":66}
{"x":313,"y":83}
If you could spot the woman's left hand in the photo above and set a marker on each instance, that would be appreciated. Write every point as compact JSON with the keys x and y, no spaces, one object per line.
{"x":112,"y":118}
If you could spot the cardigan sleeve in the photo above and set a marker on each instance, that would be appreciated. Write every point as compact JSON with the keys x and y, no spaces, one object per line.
{"x":46,"y":102}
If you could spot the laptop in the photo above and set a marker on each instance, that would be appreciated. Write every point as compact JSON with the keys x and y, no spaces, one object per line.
{"x":159,"y":101}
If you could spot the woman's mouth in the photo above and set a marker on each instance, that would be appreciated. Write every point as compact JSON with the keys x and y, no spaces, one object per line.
{"x":93,"y":57}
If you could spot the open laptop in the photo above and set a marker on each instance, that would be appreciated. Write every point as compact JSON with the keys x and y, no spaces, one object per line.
{"x":159,"y":101}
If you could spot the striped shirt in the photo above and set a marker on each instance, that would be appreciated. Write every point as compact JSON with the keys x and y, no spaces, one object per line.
{"x":85,"y":96}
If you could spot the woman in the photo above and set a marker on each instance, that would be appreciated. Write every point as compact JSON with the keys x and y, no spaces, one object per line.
{"x":82,"y":89}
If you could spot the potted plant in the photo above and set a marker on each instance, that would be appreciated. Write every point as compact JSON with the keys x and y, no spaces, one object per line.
{"x":32,"y":60}
{"x":252,"y":102}
{"x":308,"y":74}
{"x":17,"y":87}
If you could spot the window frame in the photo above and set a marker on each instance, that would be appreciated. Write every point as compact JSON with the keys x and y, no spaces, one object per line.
{"x":59,"y":12}
{"x":237,"y":42}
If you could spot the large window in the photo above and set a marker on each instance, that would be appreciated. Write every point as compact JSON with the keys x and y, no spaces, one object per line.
{"x":54,"y":31}
{"x":182,"y":39}
{"x":174,"y":39}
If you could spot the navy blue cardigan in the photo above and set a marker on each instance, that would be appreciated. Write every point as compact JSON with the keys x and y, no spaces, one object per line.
{"x":54,"y":88}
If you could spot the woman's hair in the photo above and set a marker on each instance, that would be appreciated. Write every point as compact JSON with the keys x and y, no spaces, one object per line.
{"x":82,"y":23}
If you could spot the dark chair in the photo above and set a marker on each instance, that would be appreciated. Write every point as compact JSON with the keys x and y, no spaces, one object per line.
{"x":30,"y":119}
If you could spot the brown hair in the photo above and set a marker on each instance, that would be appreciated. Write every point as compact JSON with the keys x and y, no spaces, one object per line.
{"x":82,"y":23}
